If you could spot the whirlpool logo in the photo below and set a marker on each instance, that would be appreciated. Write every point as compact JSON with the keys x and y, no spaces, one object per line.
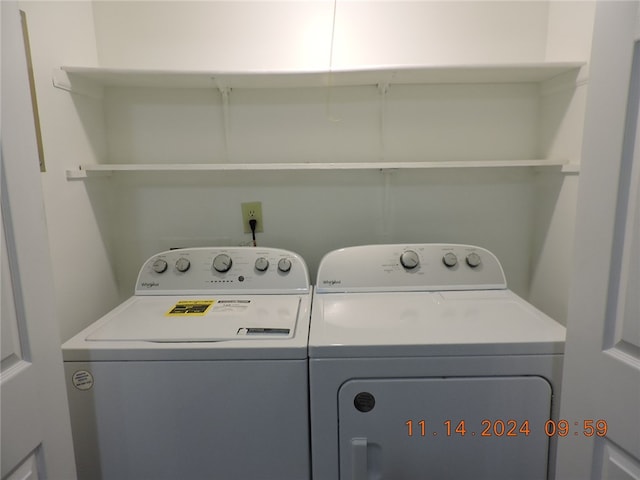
{"x":149,"y":284}
{"x":331,"y":283}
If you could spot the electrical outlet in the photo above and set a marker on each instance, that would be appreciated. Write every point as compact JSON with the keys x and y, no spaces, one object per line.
{"x":252,"y":210}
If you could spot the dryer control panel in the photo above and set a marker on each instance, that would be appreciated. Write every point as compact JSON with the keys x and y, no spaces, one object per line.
{"x":209,"y":270}
{"x":412,"y":267}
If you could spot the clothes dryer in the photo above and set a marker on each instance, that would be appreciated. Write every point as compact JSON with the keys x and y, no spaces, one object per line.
{"x":203,"y":373}
{"x":423,"y":364}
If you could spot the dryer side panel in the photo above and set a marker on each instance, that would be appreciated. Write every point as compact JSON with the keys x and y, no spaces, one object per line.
{"x":445,"y":428}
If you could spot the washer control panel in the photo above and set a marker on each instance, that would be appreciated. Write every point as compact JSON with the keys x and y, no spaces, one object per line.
{"x":223,"y":270}
{"x":428,"y":267}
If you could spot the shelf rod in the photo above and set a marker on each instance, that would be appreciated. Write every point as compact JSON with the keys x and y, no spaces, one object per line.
{"x":90,"y":170}
{"x":224,"y":93}
{"x":383,"y":89}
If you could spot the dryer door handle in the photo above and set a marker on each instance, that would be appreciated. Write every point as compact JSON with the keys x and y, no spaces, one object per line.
{"x":359,"y":459}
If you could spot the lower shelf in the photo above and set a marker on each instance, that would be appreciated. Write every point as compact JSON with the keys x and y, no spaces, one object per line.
{"x":85,"y":171}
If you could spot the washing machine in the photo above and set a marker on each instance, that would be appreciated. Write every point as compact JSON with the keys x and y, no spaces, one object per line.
{"x":423,"y":364}
{"x":202,"y":373}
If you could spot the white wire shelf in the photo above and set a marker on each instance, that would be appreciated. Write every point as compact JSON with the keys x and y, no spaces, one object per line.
{"x":82,"y":79}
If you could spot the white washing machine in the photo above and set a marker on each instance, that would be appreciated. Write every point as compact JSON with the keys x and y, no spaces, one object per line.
{"x":422,"y":364}
{"x":203,"y":373}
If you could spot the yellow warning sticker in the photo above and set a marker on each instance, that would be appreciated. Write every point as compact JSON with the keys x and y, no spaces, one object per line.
{"x":190,"y":308}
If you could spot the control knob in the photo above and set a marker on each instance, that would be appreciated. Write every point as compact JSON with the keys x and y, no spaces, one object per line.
{"x":473,"y":260}
{"x":159,"y":266}
{"x":183,"y":264}
{"x":222,"y":263}
{"x":450,"y":259}
{"x":284,"y":265}
{"x":262,"y":264}
{"x":409,"y":259}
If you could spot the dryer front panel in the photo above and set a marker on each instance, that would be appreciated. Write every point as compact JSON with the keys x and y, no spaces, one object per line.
{"x":458,"y":428}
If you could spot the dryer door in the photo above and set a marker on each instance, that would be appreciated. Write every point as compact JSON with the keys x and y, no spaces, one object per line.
{"x":445,"y":428}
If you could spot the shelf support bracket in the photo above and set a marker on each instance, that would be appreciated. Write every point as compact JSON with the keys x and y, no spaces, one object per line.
{"x":386,"y":203}
{"x":80,"y":86}
{"x":81,"y":174}
{"x":383,"y":89}
{"x":224,"y":93}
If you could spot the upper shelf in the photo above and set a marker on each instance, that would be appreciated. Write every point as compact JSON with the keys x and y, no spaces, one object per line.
{"x":404,"y":75}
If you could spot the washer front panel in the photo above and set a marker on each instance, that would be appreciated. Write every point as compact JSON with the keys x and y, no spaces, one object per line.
{"x":489,"y":428}
{"x":170,"y":420}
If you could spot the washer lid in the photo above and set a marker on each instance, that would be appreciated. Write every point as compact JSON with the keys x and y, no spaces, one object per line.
{"x":200,"y":319}
{"x":405,"y":324}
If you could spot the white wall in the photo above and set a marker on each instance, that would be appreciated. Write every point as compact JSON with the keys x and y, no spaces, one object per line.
{"x":215,"y":35}
{"x":421,"y":123}
{"x":439,"y":32}
{"x":290,"y":35}
{"x":312,"y":213}
{"x":128,"y":218}
{"x":85,"y":286}
{"x":570,"y":30}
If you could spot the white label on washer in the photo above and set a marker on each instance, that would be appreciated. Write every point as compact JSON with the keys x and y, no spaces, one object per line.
{"x":82,"y":380}
{"x":230,"y":306}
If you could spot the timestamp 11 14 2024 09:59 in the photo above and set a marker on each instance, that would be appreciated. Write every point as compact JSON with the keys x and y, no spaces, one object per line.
{"x":506,"y":428}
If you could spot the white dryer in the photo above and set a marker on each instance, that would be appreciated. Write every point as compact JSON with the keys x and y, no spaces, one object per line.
{"x":424,"y":365}
{"x":203,"y":373}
